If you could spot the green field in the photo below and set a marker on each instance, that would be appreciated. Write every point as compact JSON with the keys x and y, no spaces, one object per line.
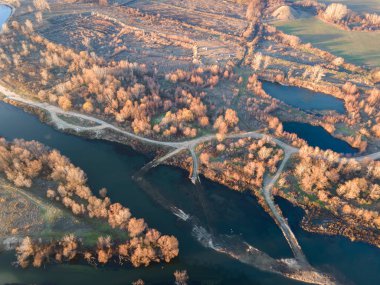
{"x":356,"y":47}
{"x":361,"y":6}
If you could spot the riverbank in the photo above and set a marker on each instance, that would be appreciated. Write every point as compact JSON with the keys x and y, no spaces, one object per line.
{"x":305,"y":271}
{"x":72,"y":222}
{"x":323,"y":222}
{"x":203,"y":263}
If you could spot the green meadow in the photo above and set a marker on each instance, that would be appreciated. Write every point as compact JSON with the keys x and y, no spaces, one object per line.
{"x":361,"y":6}
{"x":356,"y":47}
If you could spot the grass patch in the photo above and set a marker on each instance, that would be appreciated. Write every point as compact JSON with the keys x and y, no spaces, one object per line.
{"x":355,"y":46}
{"x":47,"y":219}
{"x":345,"y":130}
{"x":360,"y":6}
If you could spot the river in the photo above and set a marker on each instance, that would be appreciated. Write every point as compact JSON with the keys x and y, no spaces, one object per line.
{"x":222,"y":212}
{"x":112,"y":166}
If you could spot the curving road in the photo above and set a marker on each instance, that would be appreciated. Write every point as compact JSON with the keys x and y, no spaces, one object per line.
{"x":373,"y":156}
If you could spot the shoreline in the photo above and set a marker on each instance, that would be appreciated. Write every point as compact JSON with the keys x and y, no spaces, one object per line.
{"x":322,"y":222}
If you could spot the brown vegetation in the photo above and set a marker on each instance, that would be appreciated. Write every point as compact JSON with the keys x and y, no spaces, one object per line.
{"x":346,"y":187}
{"x":240,"y":163}
{"x":181,"y":277}
{"x":339,"y":14}
{"x":187,"y":74}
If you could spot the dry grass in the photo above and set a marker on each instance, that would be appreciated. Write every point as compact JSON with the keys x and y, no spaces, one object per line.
{"x":19,"y":214}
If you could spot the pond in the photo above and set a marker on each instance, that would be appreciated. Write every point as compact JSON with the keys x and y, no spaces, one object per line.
{"x":317,"y":136}
{"x":303,"y":99}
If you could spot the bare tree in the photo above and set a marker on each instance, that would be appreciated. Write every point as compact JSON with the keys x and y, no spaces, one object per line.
{"x":41,"y":5}
{"x":336,"y":12}
{"x":253,"y":9}
{"x":181,"y":277}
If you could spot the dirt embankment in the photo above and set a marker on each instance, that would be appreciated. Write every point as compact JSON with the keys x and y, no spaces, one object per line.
{"x":285,"y":13}
{"x":323,"y":222}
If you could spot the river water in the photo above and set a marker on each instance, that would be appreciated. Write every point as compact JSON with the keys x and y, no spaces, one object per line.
{"x":222,"y":212}
{"x":112,"y":166}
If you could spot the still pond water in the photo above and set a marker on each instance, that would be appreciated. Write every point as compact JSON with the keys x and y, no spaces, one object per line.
{"x":303,"y":99}
{"x":317,"y":136}
{"x":307,"y":100}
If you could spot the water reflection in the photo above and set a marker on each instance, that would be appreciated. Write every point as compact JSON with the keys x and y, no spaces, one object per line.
{"x":318,"y":137}
{"x":303,"y":98}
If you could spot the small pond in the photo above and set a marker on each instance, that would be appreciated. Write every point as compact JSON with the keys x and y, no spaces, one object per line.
{"x":304,"y":99}
{"x":318,"y":137}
